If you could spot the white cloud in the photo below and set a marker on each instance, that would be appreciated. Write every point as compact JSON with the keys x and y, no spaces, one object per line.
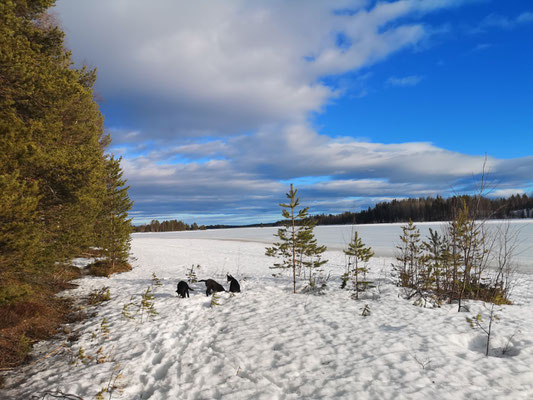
{"x":506,"y":192}
{"x":411,"y":80}
{"x":216,"y":67}
{"x":503,"y":22}
{"x":347,"y":172}
{"x":525,"y":17}
{"x":300,"y":151}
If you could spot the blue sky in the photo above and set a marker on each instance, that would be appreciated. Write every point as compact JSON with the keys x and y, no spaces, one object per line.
{"x":470,"y":89}
{"x":216,"y":107}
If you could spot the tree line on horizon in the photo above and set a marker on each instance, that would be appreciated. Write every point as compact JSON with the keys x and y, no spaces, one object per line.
{"x":168,"y":226}
{"x":422,"y":209}
{"x":61,"y":195}
{"x":432,"y":209}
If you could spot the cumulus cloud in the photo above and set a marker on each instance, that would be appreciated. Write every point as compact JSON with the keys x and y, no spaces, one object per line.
{"x":177,"y":68}
{"x":300,"y":151}
{"x":342,"y":174}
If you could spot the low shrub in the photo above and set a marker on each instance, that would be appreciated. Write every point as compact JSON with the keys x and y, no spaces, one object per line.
{"x":98,"y":296}
{"x":11,"y":292}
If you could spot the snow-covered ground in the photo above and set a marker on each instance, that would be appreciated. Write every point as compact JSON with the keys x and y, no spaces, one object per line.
{"x":267,"y":343}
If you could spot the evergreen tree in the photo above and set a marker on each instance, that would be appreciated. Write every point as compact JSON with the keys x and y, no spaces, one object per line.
{"x":297,"y":246}
{"x":19,"y":236}
{"x":52,"y":162}
{"x":357,"y":254}
{"x":452,"y":265}
{"x":52,"y":171}
{"x":51,"y":128}
{"x":409,"y":253}
{"x":470,"y":253}
{"x":114,"y":228}
{"x":309,"y":253}
{"x":434,"y":262}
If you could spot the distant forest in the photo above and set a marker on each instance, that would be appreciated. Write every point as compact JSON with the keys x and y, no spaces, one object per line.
{"x":423,"y":209}
{"x":167,"y":226}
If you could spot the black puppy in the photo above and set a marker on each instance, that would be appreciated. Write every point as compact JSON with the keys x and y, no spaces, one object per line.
{"x":183,"y":289}
{"x":212,"y":286}
{"x":234,"y":286}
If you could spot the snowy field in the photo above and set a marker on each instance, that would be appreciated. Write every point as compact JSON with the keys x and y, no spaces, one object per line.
{"x":267,"y":343}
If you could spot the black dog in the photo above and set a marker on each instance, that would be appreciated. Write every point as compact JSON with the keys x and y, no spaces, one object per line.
{"x":212,"y":286}
{"x":234,"y":286}
{"x":183,"y":289}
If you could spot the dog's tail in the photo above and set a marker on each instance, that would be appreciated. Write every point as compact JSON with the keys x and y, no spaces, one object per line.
{"x":190,"y":288}
{"x":202,"y":280}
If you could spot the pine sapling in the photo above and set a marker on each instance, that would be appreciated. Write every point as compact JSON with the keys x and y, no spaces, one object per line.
{"x":98,"y":296}
{"x":433,"y":262}
{"x":100,"y":356}
{"x":83,"y":356}
{"x":366,"y":311}
{"x":297,"y":246}
{"x":191,"y":274}
{"x":214,"y":299}
{"x":408,"y":256}
{"x":104,"y":327}
{"x":155,"y":280}
{"x":147,"y":304}
{"x":358,"y":255}
{"x":126,"y":313}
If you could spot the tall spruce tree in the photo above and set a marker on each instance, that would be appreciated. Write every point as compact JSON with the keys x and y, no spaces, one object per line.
{"x":114,"y":227}
{"x":297,"y":246}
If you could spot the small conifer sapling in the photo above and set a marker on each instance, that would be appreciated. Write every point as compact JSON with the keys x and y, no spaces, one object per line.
{"x":297,"y":246}
{"x":358,"y":255}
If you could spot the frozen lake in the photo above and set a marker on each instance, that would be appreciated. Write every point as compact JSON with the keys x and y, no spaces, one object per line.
{"x":381,"y":237}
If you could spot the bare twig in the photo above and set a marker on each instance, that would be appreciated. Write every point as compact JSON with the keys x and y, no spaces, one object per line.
{"x":58,"y":394}
{"x":423,"y":364}
{"x":508,"y":345}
